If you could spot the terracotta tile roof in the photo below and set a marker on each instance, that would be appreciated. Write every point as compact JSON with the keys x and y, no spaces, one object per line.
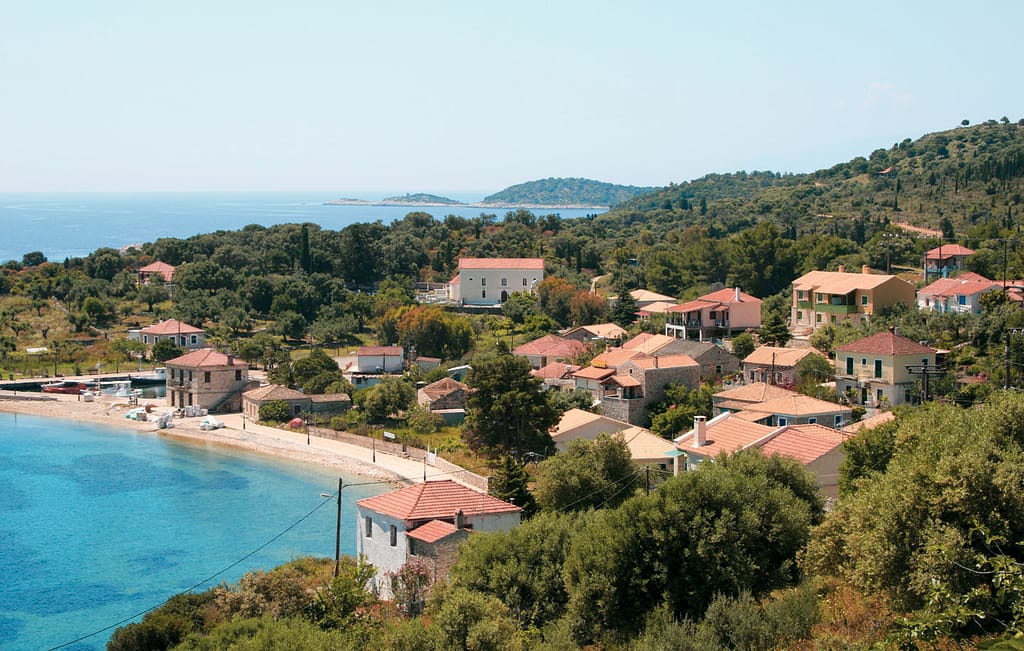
{"x":329,"y":397}
{"x":697,"y":305}
{"x":379,"y":351}
{"x":948,"y":287}
{"x":646,"y":342}
{"x":725,"y":433}
{"x":798,"y":405}
{"x":171,"y":327}
{"x":551,"y":345}
{"x":555,"y":371}
{"x":838,"y":282}
{"x":434,"y":500}
{"x":501,"y":263}
{"x":869,"y":422}
{"x":162,"y":268}
{"x":205,"y":357}
{"x":728,"y":295}
{"x":274,"y":392}
{"x":947,"y":251}
{"x":432,"y":531}
{"x":657,"y":307}
{"x":754,"y":392}
{"x":614,"y":357}
{"x":643,"y":445}
{"x":606,"y":330}
{"x":805,"y":443}
{"x":594,"y":373}
{"x":443,"y":387}
{"x":885,"y":343}
{"x":646,"y":296}
{"x":649,"y":362}
{"x":784,"y":357}
{"x":624,"y":380}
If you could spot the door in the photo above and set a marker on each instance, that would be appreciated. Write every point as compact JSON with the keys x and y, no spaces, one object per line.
{"x":504,"y":296}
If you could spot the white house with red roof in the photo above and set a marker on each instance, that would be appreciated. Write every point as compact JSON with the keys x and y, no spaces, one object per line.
{"x":165,"y":270}
{"x":873,"y":371}
{"x":490,"y":281}
{"x":380,"y":359}
{"x":425,"y":521}
{"x":180,"y":333}
{"x":944,"y":259}
{"x":960,"y":294}
{"x":718,"y":314}
{"x":207,"y":379}
{"x":820,"y":449}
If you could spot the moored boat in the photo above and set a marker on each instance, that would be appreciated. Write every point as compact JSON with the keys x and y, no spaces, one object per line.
{"x":64,"y":386}
{"x":156,"y":376}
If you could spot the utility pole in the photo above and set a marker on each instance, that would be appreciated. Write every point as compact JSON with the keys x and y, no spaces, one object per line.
{"x":337,"y":529}
{"x":1006,"y":352}
{"x":924,"y":370}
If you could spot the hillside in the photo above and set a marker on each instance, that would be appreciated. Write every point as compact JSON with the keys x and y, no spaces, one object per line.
{"x":969,"y":176}
{"x":565,"y":192}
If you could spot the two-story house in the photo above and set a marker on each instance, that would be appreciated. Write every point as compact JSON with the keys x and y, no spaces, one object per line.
{"x":945,"y":259}
{"x":166,"y":271}
{"x":207,"y":379}
{"x":715,"y":361}
{"x":425,"y":521}
{"x":550,"y":348}
{"x":821,"y":297}
{"x":960,"y":294}
{"x":718,"y":314}
{"x":490,"y":281}
{"x":874,"y":370}
{"x":775,"y":365}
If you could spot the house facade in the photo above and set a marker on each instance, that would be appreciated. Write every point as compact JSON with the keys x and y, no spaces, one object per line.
{"x":446,"y":393}
{"x":945,"y":259}
{"x":960,"y":294}
{"x":645,"y":448}
{"x":425,"y":521}
{"x":715,"y":361}
{"x":821,"y":297}
{"x":299,"y":403}
{"x":775,"y":365}
{"x":165,"y":270}
{"x":380,"y":359}
{"x":550,"y":348}
{"x":490,"y":281}
{"x":179,"y":333}
{"x":873,"y":371}
{"x":608,"y":332}
{"x":715,"y":315}
{"x":207,"y":379}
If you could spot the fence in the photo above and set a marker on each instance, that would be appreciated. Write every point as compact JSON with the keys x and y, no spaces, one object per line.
{"x":401,"y":450}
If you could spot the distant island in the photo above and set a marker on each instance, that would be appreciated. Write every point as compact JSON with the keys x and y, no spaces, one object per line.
{"x":544,"y":194}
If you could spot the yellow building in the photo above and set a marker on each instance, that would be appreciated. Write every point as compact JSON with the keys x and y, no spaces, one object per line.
{"x":821,"y":297}
{"x":873,"y":371}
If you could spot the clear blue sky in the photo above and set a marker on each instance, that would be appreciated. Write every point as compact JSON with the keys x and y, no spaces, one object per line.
{"x":118,"y":95}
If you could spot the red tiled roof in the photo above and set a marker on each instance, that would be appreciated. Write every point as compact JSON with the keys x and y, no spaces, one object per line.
{"x":377,"y":351}
{"x":781,"y":357}
{"x":162,"y":268}
{"x":555,"y":370}
{"x":551,"y":345}
{"x":501,"y":263}
{"x":171,"y":327}
{"x":594,"y":373}
{"x":443,"y":387}
{"x":958,"y":286}
{"x":885,"y":343}
{"x":432,"y":531}
{"x":648,"y":362}
{"x":433,"y":500}
{"x":614,"y":357}
{"x":647,"y":342}
{"x":697,"y":304}
{"x":754,"y":392}
{"x":805,"y":443}
{"x":947,"y":251}
{"x":725,"y":433}
{"x":205,"y":357}
{"x":274,"y":392}
{"x":728,"y":295}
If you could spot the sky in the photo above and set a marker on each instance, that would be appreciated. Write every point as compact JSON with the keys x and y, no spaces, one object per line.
{"x":471,"y":97}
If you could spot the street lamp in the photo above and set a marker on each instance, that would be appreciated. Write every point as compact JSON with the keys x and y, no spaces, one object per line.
{"x":337,"y":529}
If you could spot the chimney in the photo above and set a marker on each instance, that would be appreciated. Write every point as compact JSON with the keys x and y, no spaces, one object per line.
{"x":459,"y":520}
{"x":700,"y":431}
{"x":842,"y":269}
{"x":231,"y":359}
{"x":865,"y":269}
{"x":736,"y":295}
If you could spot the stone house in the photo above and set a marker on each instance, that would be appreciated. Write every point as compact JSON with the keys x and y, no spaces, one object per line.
{"x":645,"y":378}
{"x":327,"y":404}
{"x":775,"y":365}
{"x":446,"y":393}
{"x":165,"y":270}
{"x":426,"y":521}
{"x":207,"y":379}
{"x":715,"y":361}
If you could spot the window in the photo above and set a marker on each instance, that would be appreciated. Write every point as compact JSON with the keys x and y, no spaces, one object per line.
{"x":878,"y":368}
{"x":961,"y":299}
{"x":718,"y":369}
{"x":820,"y":298}
{"x":368,"y":526}
{"x":838,"y":420}
{"x":833,"y":318}
{"x":817,"y":318}
{"x":863,"y":361}
{"x":504,"y":282}
{"x":812,"y":420}
{"x":483,"y":282}
{"x":524,"y":282}
{"x":864,"y":299}
{"x":799,"y":315}
{"x":145,"y":339}
{"x":238,"y":376}
{"x":206,"y":377}
{"x":849,"y":366}
{"x":412,"y":547}
{"x":801,"y":295}
{"x":783,"y":421}
{"x":394,"y":535}
{"x":483,"y":293}
{"x":194,"y":340}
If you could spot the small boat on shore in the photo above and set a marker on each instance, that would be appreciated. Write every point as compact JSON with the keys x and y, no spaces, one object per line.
{"x":156,"y":376}
{"x":64,"y":386}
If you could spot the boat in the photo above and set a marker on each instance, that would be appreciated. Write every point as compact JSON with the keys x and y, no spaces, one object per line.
{"x":64,"y":386}
{"x":156,"y":376}
{"x":118,"y":389}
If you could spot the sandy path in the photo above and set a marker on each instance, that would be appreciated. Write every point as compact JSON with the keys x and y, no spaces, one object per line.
{"x":236,"y":433}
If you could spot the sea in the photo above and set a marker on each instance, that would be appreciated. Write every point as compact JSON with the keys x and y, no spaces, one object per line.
{"x":100,"y":523}
{"x":68,"y":225}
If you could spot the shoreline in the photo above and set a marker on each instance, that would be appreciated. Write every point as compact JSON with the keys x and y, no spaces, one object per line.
{"x":237,"y":433}
{"x":482,"y":206}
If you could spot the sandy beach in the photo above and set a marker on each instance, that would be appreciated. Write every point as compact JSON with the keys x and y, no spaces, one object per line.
{"x":236,"y":433}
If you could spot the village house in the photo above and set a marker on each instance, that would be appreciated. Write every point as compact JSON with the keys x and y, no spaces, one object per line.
{"x":608,"y":332}
{"x":645,"y":449}
{"x":873,"y":371}
{"x":165,"y":270}
{"x":444,"y":394}
{"x":821,"y":297}
{"x":820,"y":449}
{"x":648,"y":343}
{"x":207,"y":379}
{"x":715,"y":315}
{"x":945,"y":259}
{"x":557,"y":376}
{"x":776,"y":365}
{"x":180,"y":334}
{"x":715,"y":361}
{"x":326,"y":404}
{"x":549,"y":348}
{"x":738,"y":398}
{"x":372,"y":363}
{"x":798,"y":409}
{"x":641,"y":381}
{"x":960,"y":294}
{"x":426,"y":521}
{"x":644,"y":298}
{"x":490,"y":281}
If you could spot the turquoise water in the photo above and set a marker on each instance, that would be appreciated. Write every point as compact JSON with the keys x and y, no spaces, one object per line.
{"x":76,"y":224}
{"x":98,"y":524}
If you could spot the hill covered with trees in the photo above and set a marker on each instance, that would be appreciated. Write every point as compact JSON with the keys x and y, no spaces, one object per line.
{"x":565,"y":192}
